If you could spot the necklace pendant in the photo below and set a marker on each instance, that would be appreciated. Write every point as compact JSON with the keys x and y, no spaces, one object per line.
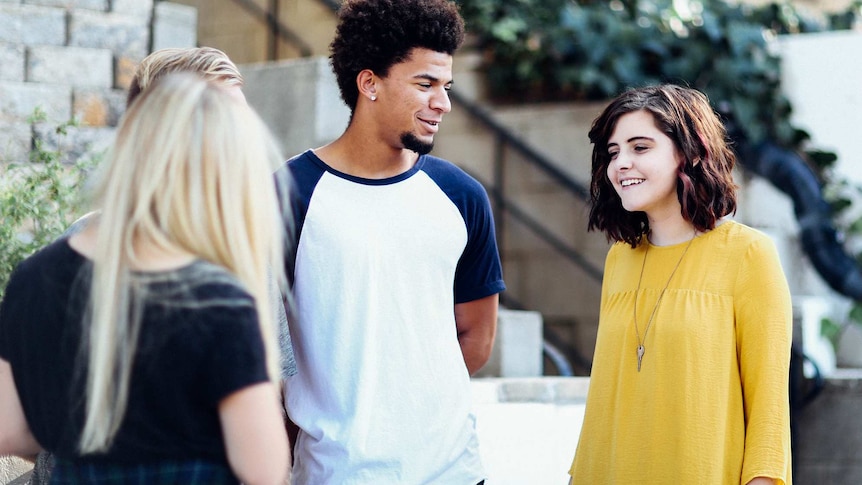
{"x":641,"y":351}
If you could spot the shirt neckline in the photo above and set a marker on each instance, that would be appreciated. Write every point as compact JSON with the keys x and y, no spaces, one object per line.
{"x":367,"y":181}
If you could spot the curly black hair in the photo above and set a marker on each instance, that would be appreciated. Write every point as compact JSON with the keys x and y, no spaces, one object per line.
{"x":376,"y":34}
{"x":705,"y":185}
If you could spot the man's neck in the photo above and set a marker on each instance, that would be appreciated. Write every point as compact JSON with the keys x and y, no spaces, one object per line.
{"x":360,"y":156}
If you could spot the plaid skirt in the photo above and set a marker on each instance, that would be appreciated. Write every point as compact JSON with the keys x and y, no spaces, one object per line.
{"x":187,"y":472}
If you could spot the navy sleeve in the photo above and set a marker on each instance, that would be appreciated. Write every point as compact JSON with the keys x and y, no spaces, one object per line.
{"x":304,"y":172}
{"x":479,"y":272}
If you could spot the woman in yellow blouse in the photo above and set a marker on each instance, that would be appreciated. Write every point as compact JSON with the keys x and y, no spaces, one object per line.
{"x":690,"y":377}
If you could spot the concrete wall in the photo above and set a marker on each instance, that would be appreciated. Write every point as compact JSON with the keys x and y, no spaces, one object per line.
{"x":299,"y":101}
{"x":517,"y":350}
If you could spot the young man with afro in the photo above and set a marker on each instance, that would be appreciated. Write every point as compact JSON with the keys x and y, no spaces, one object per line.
{"x":397,"y":272}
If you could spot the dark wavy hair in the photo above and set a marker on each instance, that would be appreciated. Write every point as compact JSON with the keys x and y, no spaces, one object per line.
{"x":376,"y":34}
{"x":705,"y":185}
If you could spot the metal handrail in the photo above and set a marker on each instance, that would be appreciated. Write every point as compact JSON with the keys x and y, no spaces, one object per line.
{"x":277,"y":28}
{"x":505,"y":137}
{"x":334,"y":5}
{"x":534,"y":157}
{"x":544,"y":234}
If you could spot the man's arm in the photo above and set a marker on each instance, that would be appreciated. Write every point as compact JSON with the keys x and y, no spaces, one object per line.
{"x":476,"y":322}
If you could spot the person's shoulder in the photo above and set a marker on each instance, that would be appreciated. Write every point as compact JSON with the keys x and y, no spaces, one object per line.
{"x":302,"y":160}
{"x":733,"y":239}
{"x":448,"y":175}
{"x":742,"y":234}
{"x":303,"y":169}
{"x":56,"y":262}
{"x":52,"y":255}
{"x":620,"y":250}
{"x":620,"y":247}
{"x":202,"y":284}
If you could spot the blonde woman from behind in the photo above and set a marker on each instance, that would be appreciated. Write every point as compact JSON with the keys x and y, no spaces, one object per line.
{"x":156,"y":351}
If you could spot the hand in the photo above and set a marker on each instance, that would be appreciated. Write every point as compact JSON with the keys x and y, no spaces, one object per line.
{"x":761,"y":481}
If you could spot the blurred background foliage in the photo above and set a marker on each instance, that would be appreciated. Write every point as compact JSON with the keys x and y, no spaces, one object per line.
{"x":39,"y":199}
{"x":565,"y":50}
{"x":585,"y":50}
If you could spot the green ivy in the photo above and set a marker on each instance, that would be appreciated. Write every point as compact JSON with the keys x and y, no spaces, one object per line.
{"x":557,"y":50}
{"x":38,"y":200}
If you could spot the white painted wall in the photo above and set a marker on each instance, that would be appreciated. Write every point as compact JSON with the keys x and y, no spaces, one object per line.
{"x":822,"y":77}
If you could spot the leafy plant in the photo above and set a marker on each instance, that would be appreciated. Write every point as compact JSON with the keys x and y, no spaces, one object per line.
{"x":38,"y":200}
{"x":552,"y":50}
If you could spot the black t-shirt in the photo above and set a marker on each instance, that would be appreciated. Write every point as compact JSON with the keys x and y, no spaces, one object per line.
{"x":199,"y":342}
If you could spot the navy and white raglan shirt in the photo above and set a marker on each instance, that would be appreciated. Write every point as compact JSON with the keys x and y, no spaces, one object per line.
{"x":382,"y":394}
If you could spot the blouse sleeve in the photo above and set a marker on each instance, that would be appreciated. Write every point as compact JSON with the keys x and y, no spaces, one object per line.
{"x":764,"y":326}
{"x":235,"y":353}
{"x":8,"y":314}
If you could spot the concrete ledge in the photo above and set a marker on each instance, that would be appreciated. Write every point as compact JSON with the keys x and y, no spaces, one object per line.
{"x":517,"y":350}
{"x":11,"y":468}
{"x":528,"y":427}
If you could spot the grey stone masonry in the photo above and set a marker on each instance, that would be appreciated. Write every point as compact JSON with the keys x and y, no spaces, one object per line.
{"x":77,"y":142}
{"x":133,"y":7}
{"x":32,"y":25}
{"x":98,"y":107}
{"x":101,"y":5}
{"x":174,"y":25}
{"x":76,"y":58}
{"x":14,"y":141}
{"x":123,"y":35}
{"x":11,"y":62}
{"x":77,"y":66}
{"x":19,"y":100}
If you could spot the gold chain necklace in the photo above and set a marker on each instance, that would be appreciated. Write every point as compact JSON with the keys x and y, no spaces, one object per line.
{"x":641,"y":349}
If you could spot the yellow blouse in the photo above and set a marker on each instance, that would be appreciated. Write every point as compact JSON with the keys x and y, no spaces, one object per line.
{"x":710,"y":403}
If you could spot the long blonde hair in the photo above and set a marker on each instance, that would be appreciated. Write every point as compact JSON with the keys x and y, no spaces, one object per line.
{"x":191,"y":170}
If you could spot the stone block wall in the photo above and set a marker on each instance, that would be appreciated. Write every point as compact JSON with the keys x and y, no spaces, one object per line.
{"x":76,"y":58}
